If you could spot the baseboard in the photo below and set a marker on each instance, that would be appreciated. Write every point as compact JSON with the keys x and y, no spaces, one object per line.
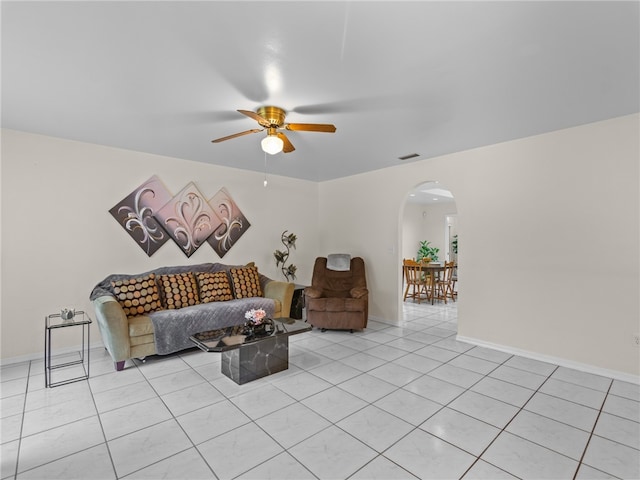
{"x":563,"y":362}
{"x":40,"y":355}
{"x":381,"y":320}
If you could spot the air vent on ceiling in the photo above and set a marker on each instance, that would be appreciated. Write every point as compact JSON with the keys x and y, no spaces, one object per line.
{"x":407,"y":157}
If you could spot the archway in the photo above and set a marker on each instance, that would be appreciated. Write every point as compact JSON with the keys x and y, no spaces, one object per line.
{"x":428,"y":214}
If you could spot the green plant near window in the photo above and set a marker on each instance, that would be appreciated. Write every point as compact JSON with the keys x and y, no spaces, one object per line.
{"x":454,"y":244}
{"x":289,"y":242}
{"x":427,"y":251}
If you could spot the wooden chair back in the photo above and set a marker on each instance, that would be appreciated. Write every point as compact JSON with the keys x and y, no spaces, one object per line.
{"x":412,"y":271}
{"x":413,"y":279}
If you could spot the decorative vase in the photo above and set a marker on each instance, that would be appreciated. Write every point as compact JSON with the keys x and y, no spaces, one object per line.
{"x":67,"y":314}
{"x":248,"y":329}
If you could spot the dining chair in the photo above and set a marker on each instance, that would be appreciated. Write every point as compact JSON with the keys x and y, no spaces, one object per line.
{"x":454,"y":281}
{"x":444,"y":284}
{"x":413,"y":279}
{"x":427,"y":279}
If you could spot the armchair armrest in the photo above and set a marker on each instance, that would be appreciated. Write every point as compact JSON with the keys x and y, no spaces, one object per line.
{"x":359,"y":292}
{"x":313,"y":292}
{"x":114,"y":327}
{"x":281,"y":291}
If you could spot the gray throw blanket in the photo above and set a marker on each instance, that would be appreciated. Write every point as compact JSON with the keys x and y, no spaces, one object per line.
{"x":172,"y":328}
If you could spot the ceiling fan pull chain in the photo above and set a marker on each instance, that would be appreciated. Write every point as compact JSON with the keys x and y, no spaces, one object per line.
{"x":265,"y":170}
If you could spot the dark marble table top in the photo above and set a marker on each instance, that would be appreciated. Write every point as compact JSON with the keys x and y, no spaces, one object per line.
{"x":234,"y":337}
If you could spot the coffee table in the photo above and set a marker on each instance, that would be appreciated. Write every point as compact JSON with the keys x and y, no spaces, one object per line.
{"x":247,"y":358}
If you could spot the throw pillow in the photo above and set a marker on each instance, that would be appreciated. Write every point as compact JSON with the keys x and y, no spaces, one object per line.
{"x":179,"y":290}
{"x":137,"y":296}
{"x":214,"y":287}
{"x":246,"y":282}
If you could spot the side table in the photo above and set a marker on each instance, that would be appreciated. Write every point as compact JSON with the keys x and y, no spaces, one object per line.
{"x":53,"y":322}
{"x":297,"y":303}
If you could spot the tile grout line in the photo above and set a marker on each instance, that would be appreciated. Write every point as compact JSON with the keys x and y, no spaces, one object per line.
{"x":104,"y":435}
{"x":477,"y":457}
{"x":368,"y":404}
{"x":24,"y":407}
{"x":442,"y":407}
{"x":68,"y":423}
{"x":173,"y":416}
{"x":584,"y":452}
{"x":254,"y":422}
{"x":503,"y":429}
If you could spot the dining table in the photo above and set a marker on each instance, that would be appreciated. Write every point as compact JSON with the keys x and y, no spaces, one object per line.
{"x":434,"y":269}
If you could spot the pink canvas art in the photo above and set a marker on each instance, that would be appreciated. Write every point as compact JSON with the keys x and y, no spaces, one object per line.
{"x":188,"y":219}
{"x":233,"y":223}
{"x":135,"y":214}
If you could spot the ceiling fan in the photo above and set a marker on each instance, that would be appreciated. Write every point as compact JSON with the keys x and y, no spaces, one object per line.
{"x":272,"y":120}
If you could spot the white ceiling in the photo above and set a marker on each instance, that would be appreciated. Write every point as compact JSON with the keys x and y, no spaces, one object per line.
{"x":394,"y":77}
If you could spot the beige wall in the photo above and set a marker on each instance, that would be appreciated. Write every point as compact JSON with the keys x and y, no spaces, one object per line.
{"x":59,"y":239}
{"x":539,"y":216}
{"x":426,"y":222}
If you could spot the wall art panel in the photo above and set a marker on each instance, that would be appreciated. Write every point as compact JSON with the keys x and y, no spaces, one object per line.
{"x":188,"y":219}
{"x":233,"y":222}
{"x":135,"y":214}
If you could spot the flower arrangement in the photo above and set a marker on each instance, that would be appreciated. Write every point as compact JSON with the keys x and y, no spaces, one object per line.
{"x":255,"y":316}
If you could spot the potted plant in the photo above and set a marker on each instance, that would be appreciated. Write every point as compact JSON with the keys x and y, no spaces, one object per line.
{"x":427,"y":251}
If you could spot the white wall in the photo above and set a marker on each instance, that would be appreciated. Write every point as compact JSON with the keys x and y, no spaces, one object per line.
{"x":413,"y":229}
{"x":539,"y":218}
{"x":59,"y":239}
{"x":425,"y":222}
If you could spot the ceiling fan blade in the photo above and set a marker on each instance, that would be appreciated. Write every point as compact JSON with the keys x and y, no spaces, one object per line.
{"x":288,"y":146}
{"x":262,"y":121}
{"x":364,"y":104}
{"x":311,"y":127}
{"x":229,"y":137}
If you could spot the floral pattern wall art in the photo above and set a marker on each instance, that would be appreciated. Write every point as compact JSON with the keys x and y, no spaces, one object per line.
{"x":233,"y":222}
{"x":188,"y":219}
{"x":151,"y":215}
{"x":135,"y":214}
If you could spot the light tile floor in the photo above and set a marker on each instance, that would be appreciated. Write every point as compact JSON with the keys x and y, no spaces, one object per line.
{"x":392,"y":402}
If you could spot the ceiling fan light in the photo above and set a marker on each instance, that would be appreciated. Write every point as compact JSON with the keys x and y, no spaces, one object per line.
{"x":272,"y":144}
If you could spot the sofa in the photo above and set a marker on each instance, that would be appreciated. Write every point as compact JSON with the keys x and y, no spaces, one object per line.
{"x":155,"y":312}
{"x":338,"y":297}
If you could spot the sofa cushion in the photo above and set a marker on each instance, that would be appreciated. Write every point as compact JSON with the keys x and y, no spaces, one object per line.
{"x":246,"y":282}
{"x":336,"y":304}
{"x":142,"y":340}
{"x":140,"y":326}
{"x":179,"y":290}
{"x":214,"y":287}
{"x":137,"y":295}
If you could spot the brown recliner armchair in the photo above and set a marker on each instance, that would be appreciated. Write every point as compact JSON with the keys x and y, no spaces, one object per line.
{"x":338,"y":299}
